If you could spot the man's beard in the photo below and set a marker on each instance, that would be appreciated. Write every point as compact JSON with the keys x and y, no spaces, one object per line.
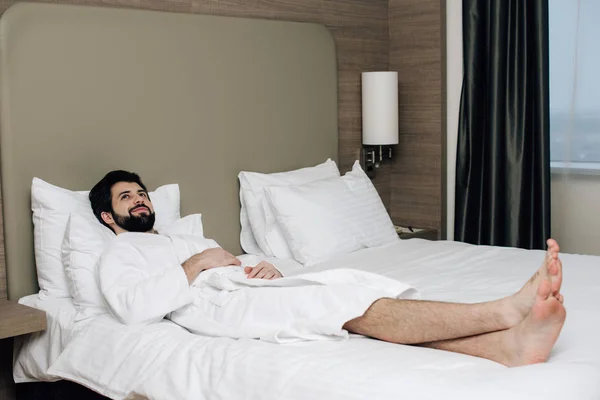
{"x":135,"y":223}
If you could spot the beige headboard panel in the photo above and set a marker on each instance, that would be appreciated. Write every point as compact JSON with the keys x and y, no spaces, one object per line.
{"x":183,"y":98}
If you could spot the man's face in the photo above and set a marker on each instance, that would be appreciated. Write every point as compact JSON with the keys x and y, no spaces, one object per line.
{"x":132,"y":208}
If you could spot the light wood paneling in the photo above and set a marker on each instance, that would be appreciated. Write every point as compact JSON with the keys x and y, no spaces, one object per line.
{"x":416,"y":52}
{"x":17,"y":319}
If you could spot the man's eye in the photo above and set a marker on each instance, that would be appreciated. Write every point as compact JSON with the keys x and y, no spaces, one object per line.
{"x":125,"y":197}
{"x":143,"y":194}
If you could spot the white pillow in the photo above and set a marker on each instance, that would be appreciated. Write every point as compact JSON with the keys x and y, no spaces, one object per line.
{"x":372,"y":217}
{"x":317,"y":219}
{"x":52,"y":205}
{"x":247,"y":240}
{"x":333,"y":216}
{"x":188,"y":225}
{"x":84,"y":242}
{"x":266,"y":231}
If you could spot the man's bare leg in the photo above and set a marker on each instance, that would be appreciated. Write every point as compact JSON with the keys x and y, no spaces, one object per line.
{"x":530,"y":342}
{"x":414,"y":322}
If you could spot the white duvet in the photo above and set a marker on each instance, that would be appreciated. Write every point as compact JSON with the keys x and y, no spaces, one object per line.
{"x":317,"y":305}
{"x":34,"y":353}
{"x":164,"y":361}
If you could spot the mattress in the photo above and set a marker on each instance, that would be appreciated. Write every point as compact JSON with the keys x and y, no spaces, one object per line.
{"x":163,"y":361}
{"x":35,"y":352}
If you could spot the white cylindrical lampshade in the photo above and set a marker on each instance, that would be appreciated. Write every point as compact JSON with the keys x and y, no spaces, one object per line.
{"x":380,"y":108}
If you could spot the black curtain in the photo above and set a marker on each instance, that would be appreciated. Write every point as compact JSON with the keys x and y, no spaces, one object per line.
{"x":503,"y":155}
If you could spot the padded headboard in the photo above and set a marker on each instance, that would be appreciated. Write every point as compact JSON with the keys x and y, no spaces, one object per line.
{"x":190,"y":99}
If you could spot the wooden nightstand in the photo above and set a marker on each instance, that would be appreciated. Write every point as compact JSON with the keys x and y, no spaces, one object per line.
{"x":429,"y":234}
{"x":15,"y":320}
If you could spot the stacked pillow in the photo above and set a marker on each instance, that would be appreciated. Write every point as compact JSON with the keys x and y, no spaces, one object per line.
{"x":317,"y":219}
{"x":52,"y":206}
{"x":257,"y":216}
{"x":69,"y":240}
{"x":84,"y":242}
{"x":313,"y":214}
{"x":375,"y":222}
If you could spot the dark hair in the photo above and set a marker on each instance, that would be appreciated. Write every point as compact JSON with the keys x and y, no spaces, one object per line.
{"x":100,"y":195}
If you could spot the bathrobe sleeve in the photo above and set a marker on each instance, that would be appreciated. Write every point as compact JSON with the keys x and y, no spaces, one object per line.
{"x":133,"y":294}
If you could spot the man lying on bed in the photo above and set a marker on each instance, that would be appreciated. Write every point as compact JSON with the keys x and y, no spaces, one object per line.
{"x":145,"y":276}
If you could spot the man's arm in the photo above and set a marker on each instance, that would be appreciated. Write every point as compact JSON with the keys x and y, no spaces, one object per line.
{"x":135,"y":297}
{"x":132,"y":295}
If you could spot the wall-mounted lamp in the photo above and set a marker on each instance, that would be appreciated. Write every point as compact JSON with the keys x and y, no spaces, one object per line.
{"x":379,"y":117}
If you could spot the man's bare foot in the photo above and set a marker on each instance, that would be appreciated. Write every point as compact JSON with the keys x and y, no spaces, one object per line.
{"x":531,"y":341}
{"x":520,"y":303}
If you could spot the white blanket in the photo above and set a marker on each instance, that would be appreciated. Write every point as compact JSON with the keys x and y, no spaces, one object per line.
{"x":163,"y":361}
{"x":142,"y":280}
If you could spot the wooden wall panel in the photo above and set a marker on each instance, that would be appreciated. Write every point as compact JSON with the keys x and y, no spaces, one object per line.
{"x":417,"y":53}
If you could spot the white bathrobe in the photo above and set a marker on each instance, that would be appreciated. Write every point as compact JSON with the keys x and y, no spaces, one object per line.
{"x":142,"y":281}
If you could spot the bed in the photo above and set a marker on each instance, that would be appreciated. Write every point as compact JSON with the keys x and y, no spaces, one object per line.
{"x":194,"y":367}
{"x":195,"y":100}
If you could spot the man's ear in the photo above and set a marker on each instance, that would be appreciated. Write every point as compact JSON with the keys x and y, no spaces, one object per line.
{"x":107,"y":218}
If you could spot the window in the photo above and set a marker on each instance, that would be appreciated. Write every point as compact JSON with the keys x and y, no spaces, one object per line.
{"x":575,"y":83}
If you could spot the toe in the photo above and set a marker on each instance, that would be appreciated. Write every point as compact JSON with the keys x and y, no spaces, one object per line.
{"x":544,"y":290}
{"x":558,"y":266}
{"x":557,"y":277}
{"x":552,"y":246}
{"x":553,"y":267}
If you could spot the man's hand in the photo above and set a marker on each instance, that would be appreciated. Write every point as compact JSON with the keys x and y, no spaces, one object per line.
{"x":209,"y":258}
{"x":263,"y":270}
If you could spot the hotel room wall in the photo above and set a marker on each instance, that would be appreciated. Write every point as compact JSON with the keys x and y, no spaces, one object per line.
{"x":417,"y":46}
{"x":360,"y":30}
{"x":575,"y":216}
{"x":3,"y":288}
{"x":454,"y":77}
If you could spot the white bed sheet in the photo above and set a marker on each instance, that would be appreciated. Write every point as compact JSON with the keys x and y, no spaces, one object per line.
{"x":163,"y":361}
{"x":35,"y":352}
